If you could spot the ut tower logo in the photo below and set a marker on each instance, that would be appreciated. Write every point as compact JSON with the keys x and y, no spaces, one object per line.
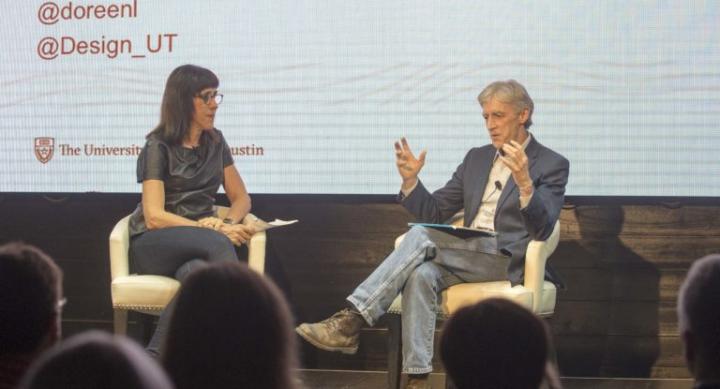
{"x":44,"y":149}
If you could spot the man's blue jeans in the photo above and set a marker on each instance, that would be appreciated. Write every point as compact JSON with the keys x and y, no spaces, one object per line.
{"x":424,"y":264}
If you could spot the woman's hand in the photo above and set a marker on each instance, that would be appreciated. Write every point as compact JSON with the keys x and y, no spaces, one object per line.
{"x":237,"y":233}
{"x":211,"y":222}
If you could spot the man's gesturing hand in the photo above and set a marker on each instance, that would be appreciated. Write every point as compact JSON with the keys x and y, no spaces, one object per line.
{"x":408,"y":166}
{"x":516,"y":159}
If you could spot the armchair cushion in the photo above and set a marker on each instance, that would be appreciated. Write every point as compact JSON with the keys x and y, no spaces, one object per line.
{"x":143,"y":292}
{"x":460,"y":295}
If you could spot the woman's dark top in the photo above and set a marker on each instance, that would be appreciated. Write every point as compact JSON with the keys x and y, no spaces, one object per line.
{"x":191,"y":176}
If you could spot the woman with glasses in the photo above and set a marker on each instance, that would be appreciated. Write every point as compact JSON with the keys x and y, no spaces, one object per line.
{"x":181,"y":167}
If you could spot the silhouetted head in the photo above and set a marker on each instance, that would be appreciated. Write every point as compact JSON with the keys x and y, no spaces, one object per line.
{"x":30,"y":299}
{"x":698,"y":311}
{"x":96,"y":360}
{"x":231,"y":329}
{"x":495,"y":343}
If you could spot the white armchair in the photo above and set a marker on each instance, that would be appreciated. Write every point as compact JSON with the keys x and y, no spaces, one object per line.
{"x":151,"y":293}
{"x":535,"y":294}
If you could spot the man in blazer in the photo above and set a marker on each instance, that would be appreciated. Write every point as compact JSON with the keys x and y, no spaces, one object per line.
{"x":514,"y":187}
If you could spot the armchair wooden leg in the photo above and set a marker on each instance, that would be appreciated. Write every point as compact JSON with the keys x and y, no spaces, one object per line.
{"x":394,"y":350}
{"x":120,"y":321}
{"x":552,"y":351}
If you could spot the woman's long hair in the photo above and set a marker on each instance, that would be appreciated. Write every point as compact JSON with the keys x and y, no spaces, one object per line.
{"x":177,"y":109}
{"x":231,"y":329}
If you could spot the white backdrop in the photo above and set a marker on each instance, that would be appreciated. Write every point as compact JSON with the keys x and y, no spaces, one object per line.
{"x":316,"y":91}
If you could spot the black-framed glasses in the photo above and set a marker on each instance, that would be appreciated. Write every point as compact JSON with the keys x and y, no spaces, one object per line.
{"x":214,"y":95}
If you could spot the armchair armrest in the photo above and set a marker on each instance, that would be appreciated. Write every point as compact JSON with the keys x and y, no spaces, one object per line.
{"x":399,"y":240}
{"x":535,"y":259}
{"x":256,"y":245}
{"x":119,"y":246}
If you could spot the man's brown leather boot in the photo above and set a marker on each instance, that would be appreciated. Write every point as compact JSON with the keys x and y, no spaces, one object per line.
{"x":337,"y":333}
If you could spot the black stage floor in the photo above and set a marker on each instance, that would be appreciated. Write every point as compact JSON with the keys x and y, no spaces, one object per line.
{"x":347,"y":379}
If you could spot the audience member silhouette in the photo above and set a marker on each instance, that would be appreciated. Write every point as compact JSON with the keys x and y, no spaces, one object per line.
{"x":231,"y":328}
{"x":96,"y":360}
{"x":698,"y":311}
{"x":496,"y":344}
{"x":30,"y":308}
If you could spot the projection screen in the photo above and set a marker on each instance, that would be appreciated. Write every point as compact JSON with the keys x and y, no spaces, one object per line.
{"x":316,"y":92}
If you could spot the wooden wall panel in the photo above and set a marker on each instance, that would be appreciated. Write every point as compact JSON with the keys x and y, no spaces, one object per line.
{"x":623,"y":266}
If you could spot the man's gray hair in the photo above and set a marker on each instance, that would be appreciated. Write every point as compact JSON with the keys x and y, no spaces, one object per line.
{"x":699,"y":300}
{"x":509,"y":92}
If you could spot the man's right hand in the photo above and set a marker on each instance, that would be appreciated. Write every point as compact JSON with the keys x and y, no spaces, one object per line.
{"x":408,"y":166}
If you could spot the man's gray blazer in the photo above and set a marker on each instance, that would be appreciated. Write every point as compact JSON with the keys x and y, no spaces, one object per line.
{"x":515,"y":227}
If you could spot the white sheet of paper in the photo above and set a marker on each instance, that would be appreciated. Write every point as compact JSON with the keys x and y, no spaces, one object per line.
{"x":261,"y":225}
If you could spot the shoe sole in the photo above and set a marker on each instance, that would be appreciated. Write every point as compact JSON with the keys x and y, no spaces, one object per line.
{"x":311,"y":340}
